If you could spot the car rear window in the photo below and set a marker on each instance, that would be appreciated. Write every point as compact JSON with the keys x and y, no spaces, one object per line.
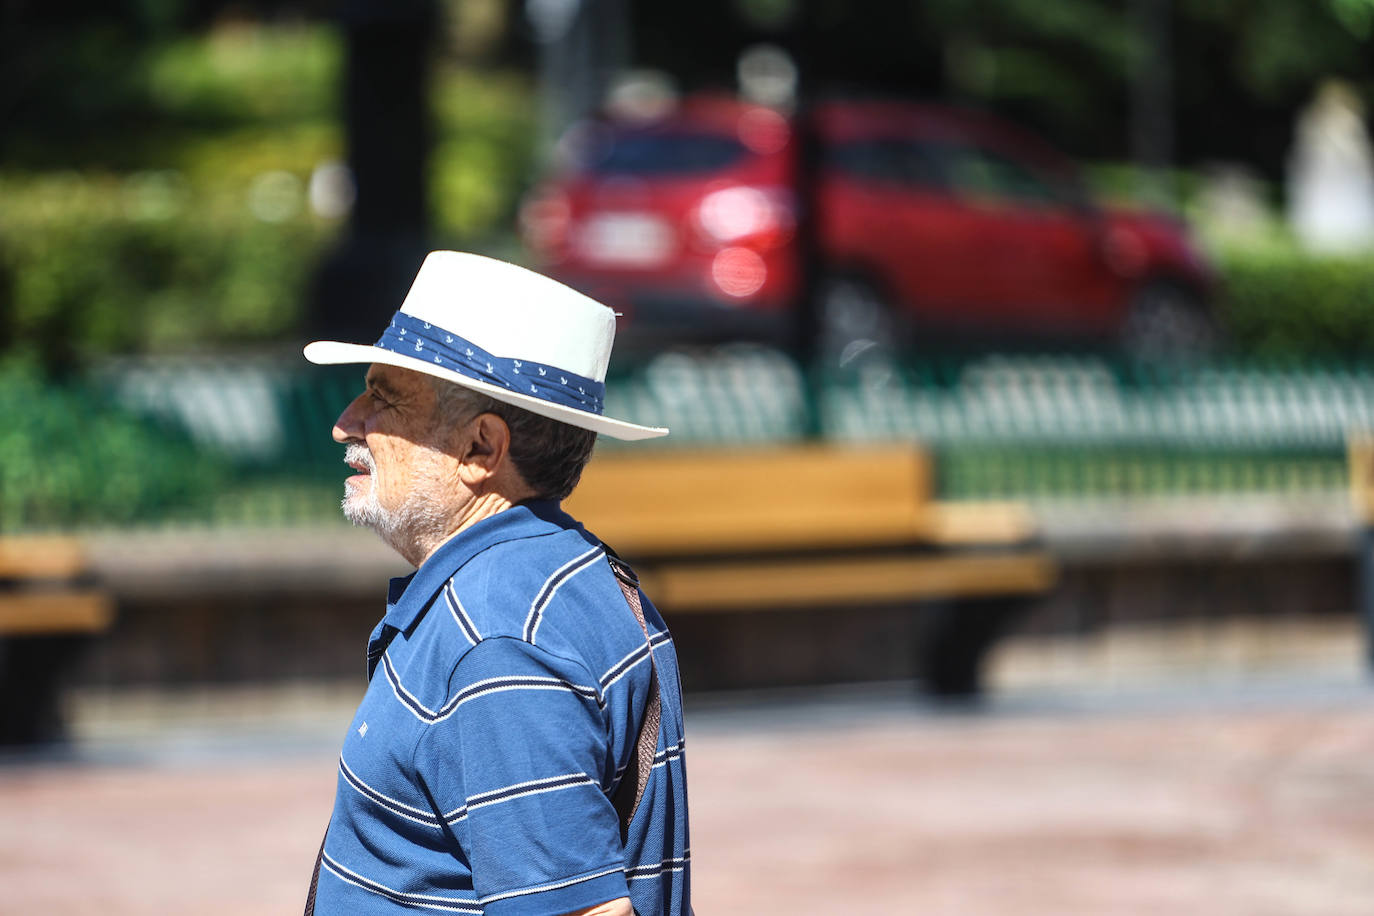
{"x":966,"y":170}
{"x":983,"y":173}
{"x":891,"y":161}
{"x":663,"y":153}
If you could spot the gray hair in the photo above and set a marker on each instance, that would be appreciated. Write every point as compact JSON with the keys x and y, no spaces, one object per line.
{"x":549,"y":455}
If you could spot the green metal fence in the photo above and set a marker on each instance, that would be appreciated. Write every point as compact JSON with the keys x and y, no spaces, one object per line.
{"x":1036,"y":427}
{"x":247,"y":441}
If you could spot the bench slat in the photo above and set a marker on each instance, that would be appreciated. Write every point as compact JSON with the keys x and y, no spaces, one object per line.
{"x":872,"y":478}
{"x":1361,"y":463}
{"x":47,"y":612}
{"x":798,"y":526}
{"x":976,"y":522}
{"x":776,"y":500}
{"x":725,"y":586}
{"x":882,"y":483}
{"x":41,"y":557}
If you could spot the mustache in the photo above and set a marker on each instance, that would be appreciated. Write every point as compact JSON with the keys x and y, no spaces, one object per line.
{"x":360,"y":455}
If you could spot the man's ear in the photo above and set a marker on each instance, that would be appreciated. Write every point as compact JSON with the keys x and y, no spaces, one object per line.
{"x":483,"y":449}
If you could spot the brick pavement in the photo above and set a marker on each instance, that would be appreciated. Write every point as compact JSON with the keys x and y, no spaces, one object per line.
{"x":855,"y":803}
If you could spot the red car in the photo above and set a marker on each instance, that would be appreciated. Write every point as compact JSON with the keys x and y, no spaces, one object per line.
{"x":931,"y":222}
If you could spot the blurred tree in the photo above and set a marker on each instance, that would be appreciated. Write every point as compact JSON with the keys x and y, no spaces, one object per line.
{"x":70,"y":69}
{"x":1241,"y":68}
{"x":85,"y":84}
{"x":1245,"y":67}
{"x":1357,"y":15}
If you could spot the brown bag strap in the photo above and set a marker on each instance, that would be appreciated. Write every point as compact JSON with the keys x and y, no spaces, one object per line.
{"x":631,"y":789}
{"x":315,"y":876}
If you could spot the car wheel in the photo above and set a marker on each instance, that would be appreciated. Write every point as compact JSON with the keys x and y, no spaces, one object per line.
{"x":857,"y":326}
{"x":1167,"y":323}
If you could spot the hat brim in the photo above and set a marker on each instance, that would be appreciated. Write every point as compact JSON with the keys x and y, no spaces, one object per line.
{"x":333,"y":353}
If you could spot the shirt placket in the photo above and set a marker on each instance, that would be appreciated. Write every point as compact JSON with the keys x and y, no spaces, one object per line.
{"x":377,"y":645}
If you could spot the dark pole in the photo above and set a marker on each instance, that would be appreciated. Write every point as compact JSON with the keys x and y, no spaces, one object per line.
{"x":387,"y":122}
{"x":806,"y":179}
{"x":387,"y":127}
{"x":1152,"y":121}
{"x":582,"y":46}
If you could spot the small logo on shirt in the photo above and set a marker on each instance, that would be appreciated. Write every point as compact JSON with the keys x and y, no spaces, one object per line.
{"x":362,"y":730}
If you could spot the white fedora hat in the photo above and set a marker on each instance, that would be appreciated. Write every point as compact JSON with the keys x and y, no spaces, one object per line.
{"x":505,"y":331}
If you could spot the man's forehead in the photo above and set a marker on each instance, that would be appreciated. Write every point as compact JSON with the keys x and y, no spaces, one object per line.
{"x":394,"y":378}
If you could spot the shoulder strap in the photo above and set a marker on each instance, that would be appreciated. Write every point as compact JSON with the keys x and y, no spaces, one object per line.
{"x":631,"y":789}
{"x":315,"y":876}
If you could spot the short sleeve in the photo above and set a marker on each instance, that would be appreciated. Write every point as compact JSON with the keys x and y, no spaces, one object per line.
{"x":517,"y":768}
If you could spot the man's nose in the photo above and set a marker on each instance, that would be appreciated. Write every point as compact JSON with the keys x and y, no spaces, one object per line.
{"x":349,"y":426}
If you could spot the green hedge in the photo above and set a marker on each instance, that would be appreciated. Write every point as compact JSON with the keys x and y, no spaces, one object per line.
{"x":1280,"y":303}
{"x":105,"y":264}
{"x":69,"y":458}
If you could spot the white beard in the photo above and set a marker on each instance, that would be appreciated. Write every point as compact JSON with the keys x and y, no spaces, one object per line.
{"x":415,"y":527}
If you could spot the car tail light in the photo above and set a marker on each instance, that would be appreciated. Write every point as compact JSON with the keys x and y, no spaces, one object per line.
{"x":544,"y":222}
{"x":749,"y":216}
{"x":764,"y":131}
{"x":738,"y":272}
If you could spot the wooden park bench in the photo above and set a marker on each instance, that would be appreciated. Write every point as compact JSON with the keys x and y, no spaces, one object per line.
{"x":723,"y":531}
{"x":48,"y":607}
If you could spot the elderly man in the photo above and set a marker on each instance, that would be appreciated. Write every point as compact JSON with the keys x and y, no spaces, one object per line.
{"x":519,"y":749}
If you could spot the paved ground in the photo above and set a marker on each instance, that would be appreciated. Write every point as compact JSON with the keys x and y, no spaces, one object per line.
{"x":1250,"y":795}
{"x":1247,"y":810}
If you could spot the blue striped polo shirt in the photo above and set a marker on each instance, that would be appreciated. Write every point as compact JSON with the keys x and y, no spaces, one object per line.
{"x":508,"y":681}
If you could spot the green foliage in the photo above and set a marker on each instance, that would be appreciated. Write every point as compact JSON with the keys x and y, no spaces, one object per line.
{"x":1356,"y":15}
{"x":227,"y":162}
{"x":1127,"y":185}
{"x":1283,"y":304}
{"x":1234,"y":72}
{"x":154,"y":191}
{"x":484,"y":152}
{"x":1026,"y":50}
{"x":100,"y":264}
{"x":1272,"y":63}
{"x":68,"y":457}
{"x":191,"y":229}
{"x":245,"y":74}
{"x":99,"y":97}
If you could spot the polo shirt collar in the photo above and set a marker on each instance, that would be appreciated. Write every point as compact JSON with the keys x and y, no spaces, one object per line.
{"x":408,"y":597}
